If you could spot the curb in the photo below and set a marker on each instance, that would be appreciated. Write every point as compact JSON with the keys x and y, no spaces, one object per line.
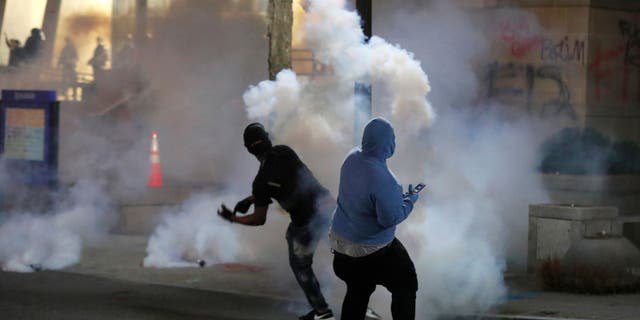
{"x":505,"y":317}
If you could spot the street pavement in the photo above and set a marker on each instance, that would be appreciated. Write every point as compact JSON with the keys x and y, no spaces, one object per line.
{"x":56,"y":295}
{"x":110,"y":283}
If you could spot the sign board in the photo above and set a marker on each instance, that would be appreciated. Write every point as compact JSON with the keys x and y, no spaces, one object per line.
{"x":29,"y":135}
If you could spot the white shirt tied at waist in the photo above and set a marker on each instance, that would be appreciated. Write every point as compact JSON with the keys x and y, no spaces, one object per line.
{"x":350,"y":248}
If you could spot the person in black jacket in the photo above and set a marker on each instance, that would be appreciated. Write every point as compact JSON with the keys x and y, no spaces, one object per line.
{"x":34,"y":44}
{"x":284,"y":177}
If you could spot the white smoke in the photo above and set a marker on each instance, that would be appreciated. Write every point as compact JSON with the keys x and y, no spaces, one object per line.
{"x":33,"y":241}
{"x":334,"y":35}
{"x":190,"y":233}
{"x":316,"y":116}
{"x":471,"y":221}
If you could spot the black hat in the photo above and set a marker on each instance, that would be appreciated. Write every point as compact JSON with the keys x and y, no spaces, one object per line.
{"x":256,"y":138}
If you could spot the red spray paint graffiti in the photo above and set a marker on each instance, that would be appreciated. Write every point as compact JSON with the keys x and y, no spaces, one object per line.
{"x":520,"y":35}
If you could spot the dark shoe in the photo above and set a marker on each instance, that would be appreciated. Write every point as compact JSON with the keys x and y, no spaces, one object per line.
{"x":313,"y":315}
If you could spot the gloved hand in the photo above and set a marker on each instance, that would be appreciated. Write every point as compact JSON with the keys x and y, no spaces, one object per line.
{"x":243,"y":205}
{"x":410,"y":195}
{"x":225,"y":213}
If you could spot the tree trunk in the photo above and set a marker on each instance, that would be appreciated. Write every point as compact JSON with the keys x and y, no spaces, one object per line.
{"x":279,"y":32}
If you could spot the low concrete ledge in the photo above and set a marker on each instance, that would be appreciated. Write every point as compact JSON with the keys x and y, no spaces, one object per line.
{"x":572,"y":212}
{"x":618,"y":184}
{"x":141,"y":211}
{"x":554,"y":228}
{"x":140,"y":220}
{"x":159,"y":196}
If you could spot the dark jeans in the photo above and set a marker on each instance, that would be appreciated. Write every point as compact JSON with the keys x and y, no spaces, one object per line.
{"x":390,"y":267}
{"x":302,"y":242}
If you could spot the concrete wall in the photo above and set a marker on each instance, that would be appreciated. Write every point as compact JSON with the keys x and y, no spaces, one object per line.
{"x":614,"y":71}
{"x":575,"y":61}
{"x":620,"y":191}
{"x":540,"y":59}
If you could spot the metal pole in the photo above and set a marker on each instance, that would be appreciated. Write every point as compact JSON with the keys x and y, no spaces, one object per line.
{"x":362,"y":91}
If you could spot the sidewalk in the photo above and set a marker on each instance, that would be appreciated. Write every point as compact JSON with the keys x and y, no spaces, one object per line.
{"x":527,"y":300}
{"x":120,"y":258}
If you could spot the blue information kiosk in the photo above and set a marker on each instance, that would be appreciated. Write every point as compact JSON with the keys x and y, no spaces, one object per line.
{"x":29,"y":137}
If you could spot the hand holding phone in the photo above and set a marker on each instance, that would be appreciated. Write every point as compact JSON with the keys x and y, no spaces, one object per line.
{"x":419,"y":187}
{"x":414,"y":190}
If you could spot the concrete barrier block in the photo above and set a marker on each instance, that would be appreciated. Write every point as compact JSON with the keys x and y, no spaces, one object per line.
{"x":572,"y":212}
{"x":554,"y":228}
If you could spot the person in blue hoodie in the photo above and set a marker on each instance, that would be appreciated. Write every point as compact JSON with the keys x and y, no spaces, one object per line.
{"x":362,"y":236}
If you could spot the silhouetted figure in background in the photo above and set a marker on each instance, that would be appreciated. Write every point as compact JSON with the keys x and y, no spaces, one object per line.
{"x":34,"y":45}
{"x":16,"y":52}
{"x":125,"y":57}
{"x":67,"y":62}
{"x":99,"y":59}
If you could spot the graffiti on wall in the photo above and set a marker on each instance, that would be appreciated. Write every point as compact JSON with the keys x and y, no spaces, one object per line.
{"x":524,"y":82}
{"x":563,"y":51}
{"x":613,"y":68}
{"x":523,"y":37}
{"x":631,"y":32}
{"x":520,"y":34}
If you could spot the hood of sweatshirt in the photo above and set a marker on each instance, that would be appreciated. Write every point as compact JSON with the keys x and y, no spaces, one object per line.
{"x":378,"y":139}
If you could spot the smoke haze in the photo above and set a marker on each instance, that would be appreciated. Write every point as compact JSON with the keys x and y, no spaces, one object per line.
{"x":469,"y":224}
{"x":32,"y":241}
{"x":192,"y":233}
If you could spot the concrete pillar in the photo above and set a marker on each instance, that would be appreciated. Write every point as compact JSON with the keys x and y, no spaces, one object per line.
{"x":3,"y":5}
{"x":280,"y":13}
{"x":50,"y":27}
{"x":140,"y":35}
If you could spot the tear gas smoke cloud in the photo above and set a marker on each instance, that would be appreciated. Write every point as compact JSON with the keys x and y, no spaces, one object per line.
{"x":197,"y":78}
{"x":316,"y":116}
{"x":193,"y":82}
{"x":352,"y":61}
{"x":83,"y":23}
{"x":54,"y":241}
{"x":471,"y":219}
{"x":192,"y":233}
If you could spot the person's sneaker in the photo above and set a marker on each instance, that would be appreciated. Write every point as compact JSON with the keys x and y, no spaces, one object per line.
{"x":372,"y":315}
{"x":327,"y":315}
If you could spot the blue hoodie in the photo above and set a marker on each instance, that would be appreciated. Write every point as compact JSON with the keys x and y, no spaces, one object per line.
{"x":370,"y":202}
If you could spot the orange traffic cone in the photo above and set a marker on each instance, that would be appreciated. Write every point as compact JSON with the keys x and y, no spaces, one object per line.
{"x":155,"y":176}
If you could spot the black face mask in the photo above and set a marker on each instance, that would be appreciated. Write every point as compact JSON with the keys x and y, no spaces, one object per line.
{"x":259,"y":148}
{"x":256,"y":139}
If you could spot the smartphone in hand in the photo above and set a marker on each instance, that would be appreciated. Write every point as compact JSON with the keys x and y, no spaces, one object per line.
{"x":415,"y":189}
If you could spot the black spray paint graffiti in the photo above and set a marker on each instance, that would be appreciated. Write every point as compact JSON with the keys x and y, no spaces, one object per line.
{"x":631,"y":31}
{"x":512,"y":72}
{"x":562,"y":51}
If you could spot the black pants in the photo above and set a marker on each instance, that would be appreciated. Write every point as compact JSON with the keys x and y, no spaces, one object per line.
{"x":302,"y":242}
{"x":302,"y":245}
{"x":390,"y":267}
